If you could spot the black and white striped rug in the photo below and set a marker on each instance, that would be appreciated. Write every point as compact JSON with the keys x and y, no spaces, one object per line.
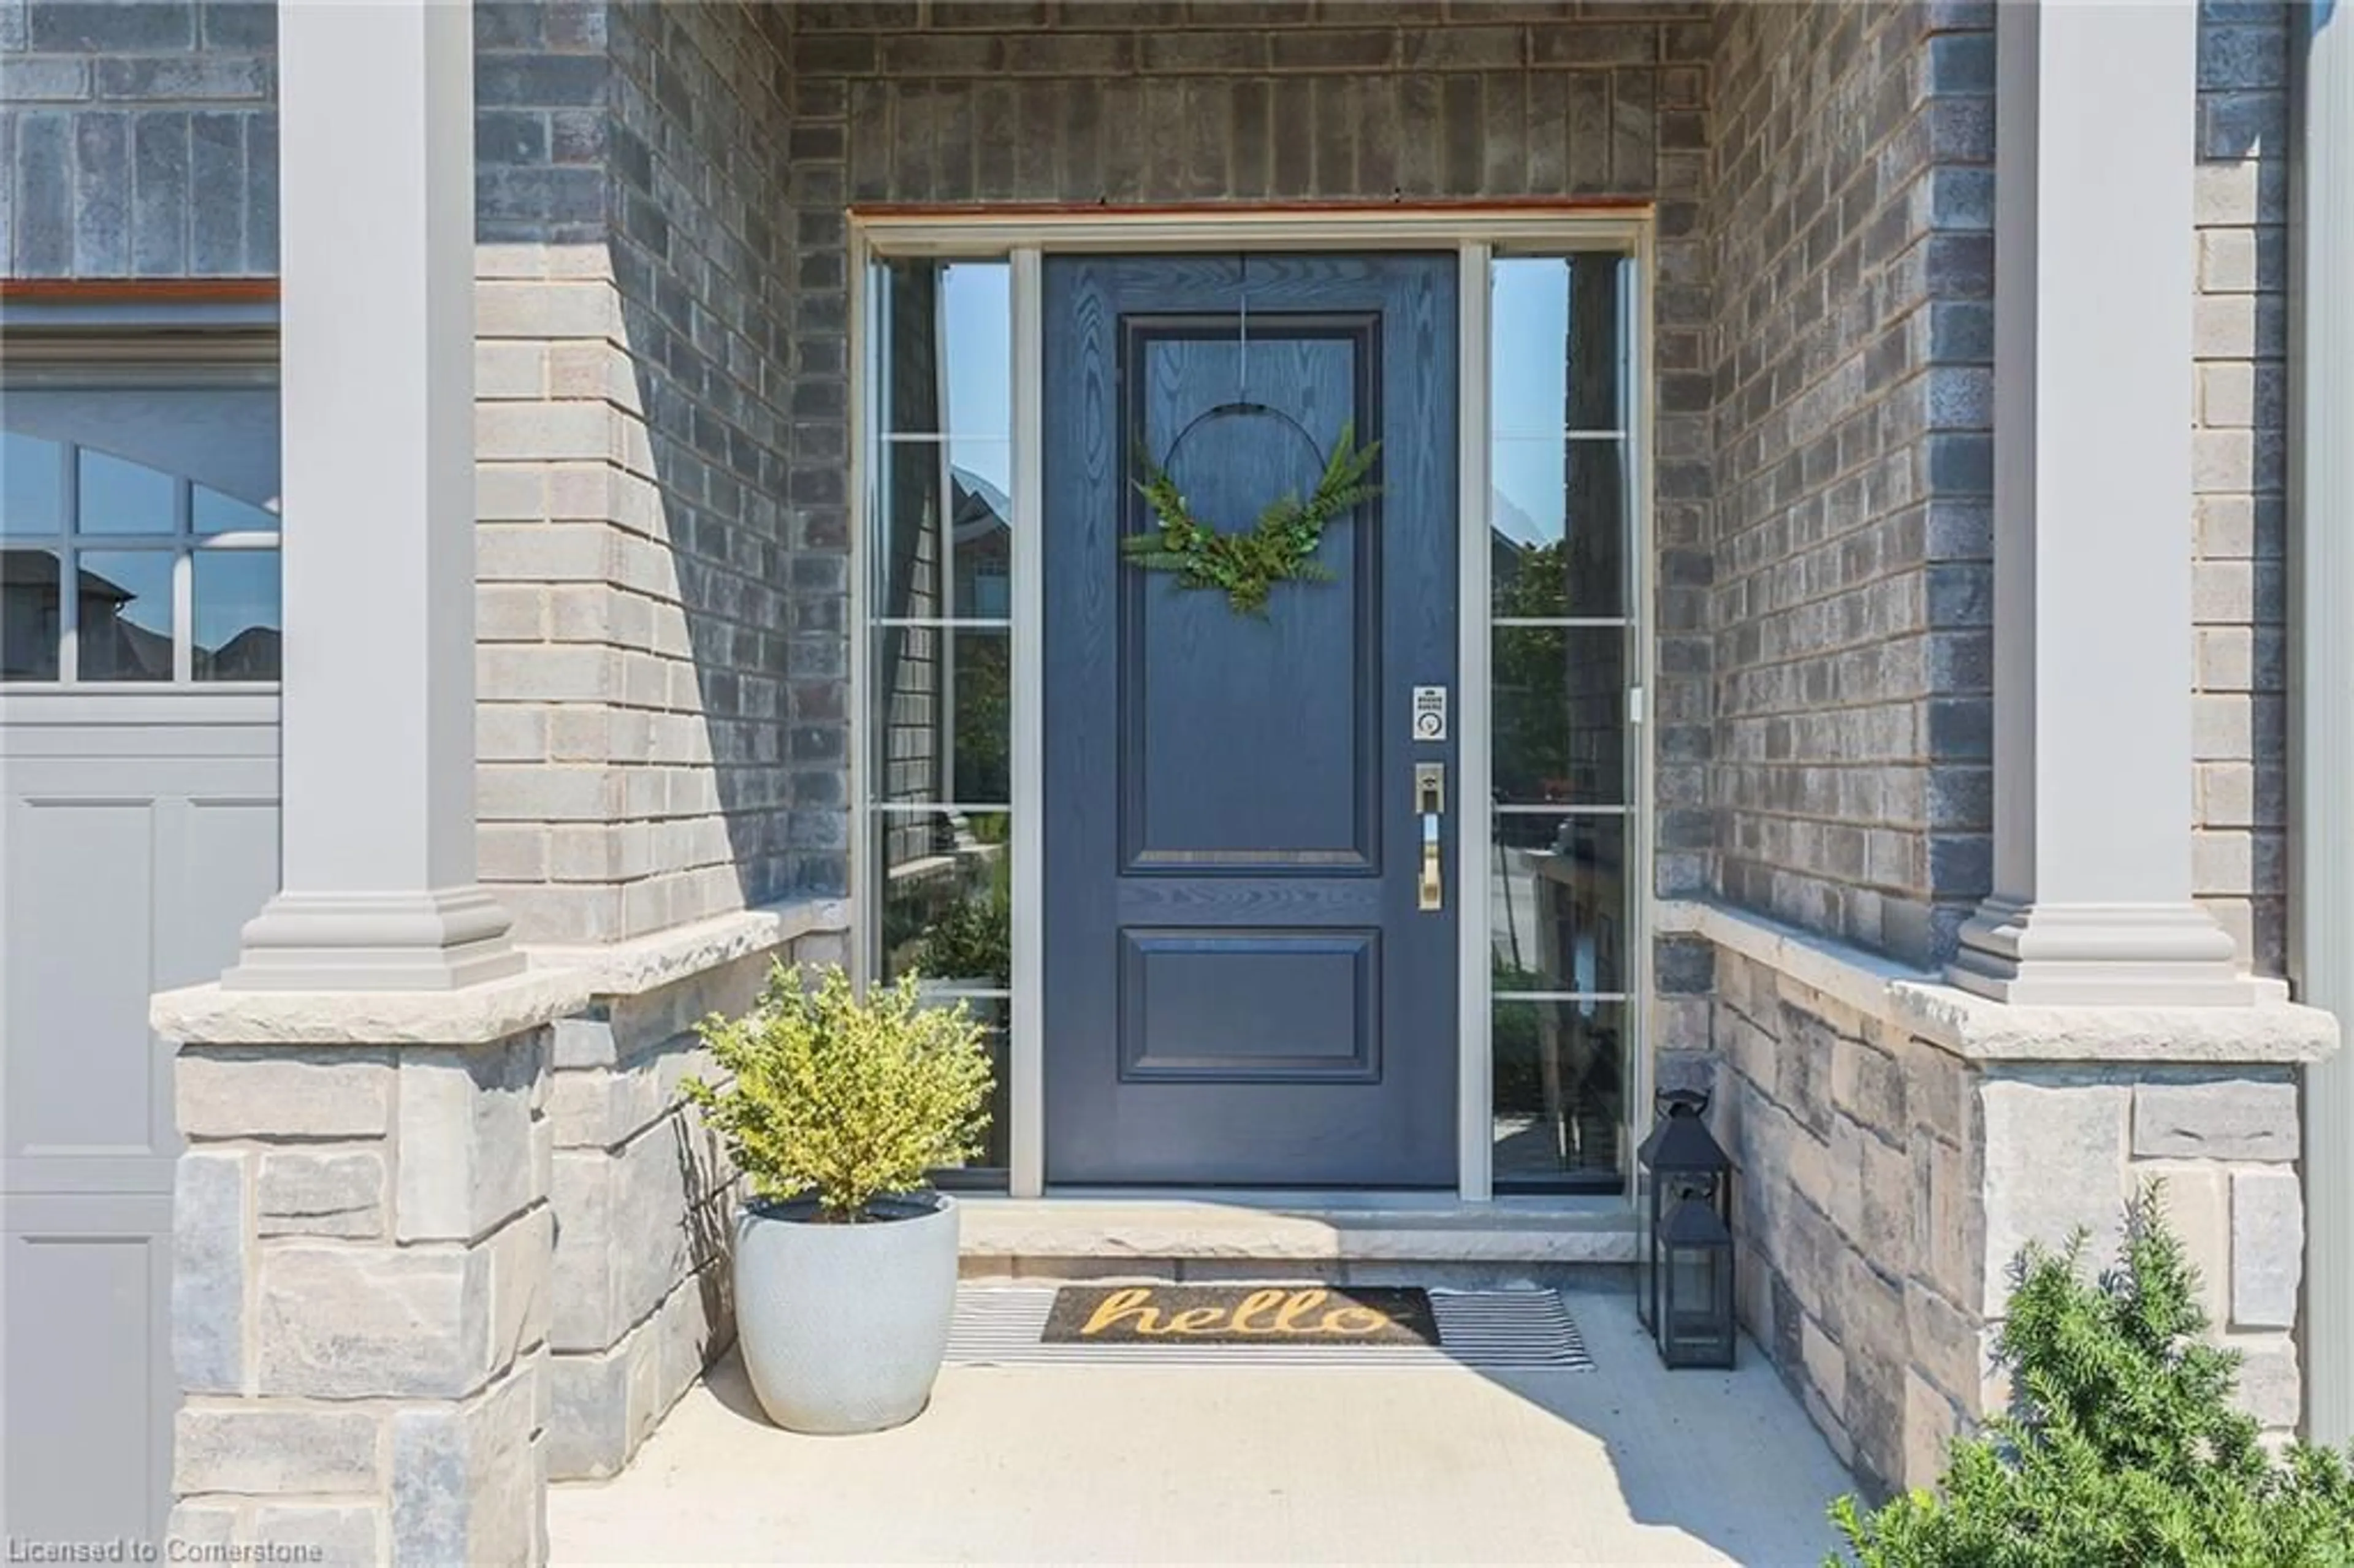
{"x":1529,"y":1330}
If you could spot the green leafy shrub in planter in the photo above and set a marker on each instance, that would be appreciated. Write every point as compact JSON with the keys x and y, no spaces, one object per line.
{"x":849,"y":1098}
{"x":2120,"y":1448}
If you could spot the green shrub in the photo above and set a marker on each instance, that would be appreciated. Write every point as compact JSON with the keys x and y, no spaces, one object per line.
{"x":851,"y":1098}
{"x":2120,"y":1448}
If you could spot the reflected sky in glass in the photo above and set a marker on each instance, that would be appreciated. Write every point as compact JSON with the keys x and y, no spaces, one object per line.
{"x":236,"y":595}
{"x":30,"y":491}
{"x":1529,"y":343}
{"x":211,"y":511}
{"x":1528,"y":386}
{"x":977,"y":303}
{"x":1529,"y":506}
{"x":120,"y":497}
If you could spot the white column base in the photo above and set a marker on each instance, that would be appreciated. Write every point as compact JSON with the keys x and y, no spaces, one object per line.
{"x":445,"y":940}
{"x":2100,"y":955}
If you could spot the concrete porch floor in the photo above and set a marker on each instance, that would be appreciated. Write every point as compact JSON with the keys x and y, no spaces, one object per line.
{"x":1626,"y":1464}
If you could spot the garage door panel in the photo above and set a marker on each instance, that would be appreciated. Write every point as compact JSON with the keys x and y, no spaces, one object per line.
{"x":121,"y":874}
{"x":86,"y":1173}
{"x":81,"y":1068}
{"x":225,"y":856}
{"x":36,"y":748}
{"x":129,"y":778}
{"x":89,"y":1401}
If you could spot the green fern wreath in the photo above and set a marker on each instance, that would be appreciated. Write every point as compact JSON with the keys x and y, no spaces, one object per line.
{"x":1246,"y":566}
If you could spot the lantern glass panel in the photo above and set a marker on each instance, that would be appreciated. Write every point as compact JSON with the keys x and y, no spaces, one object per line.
{"x":1694,"y":1325}
{"x":1692,"y":1302}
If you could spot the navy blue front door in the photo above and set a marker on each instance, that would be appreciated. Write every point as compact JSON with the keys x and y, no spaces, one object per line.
{"x":1242,"y":983}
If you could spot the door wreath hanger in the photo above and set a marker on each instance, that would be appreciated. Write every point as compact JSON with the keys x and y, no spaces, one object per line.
{"x":1281,"y":548}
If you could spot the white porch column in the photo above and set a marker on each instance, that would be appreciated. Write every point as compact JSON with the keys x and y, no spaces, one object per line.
{"x":2321,"y":781}
{"x":2091,"y":898}
{"x":376,"y":235}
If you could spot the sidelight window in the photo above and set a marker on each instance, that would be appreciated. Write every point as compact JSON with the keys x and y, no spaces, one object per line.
{"x":1563,"y":663}
{"x":937,"y":779}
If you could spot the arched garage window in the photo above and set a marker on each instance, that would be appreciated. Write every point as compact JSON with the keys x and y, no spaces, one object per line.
{"x":139,"y":534}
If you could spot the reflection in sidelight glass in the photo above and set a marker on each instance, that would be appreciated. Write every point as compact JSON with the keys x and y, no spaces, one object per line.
{"x":980,"y":530}
{"x":123,"y":601}
{"x":948,"y":348}
{"x":1560,"y":716}
{"x":1557,"y":359}
{"x":32,"y":485}
{"x":978,"y":683}
{"x":236,"y":636}
{"x":1558,"y":891}
{"x":992,"y":1011}
{"x":30,"y":620}
{"x":904,"y":523}
{"x":1559,"y":1109}
{"x":944,"y":699}
{"x":1557,"y":528}
{"x":947,"y":896}
{"x":924,"y":570}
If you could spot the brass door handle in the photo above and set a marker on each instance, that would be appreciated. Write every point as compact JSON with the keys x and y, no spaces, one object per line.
{"x":1430,"y":800}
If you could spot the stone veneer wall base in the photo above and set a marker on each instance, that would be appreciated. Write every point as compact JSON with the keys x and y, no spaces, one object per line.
{"x":433,"y":1250}
{"x":1899,"y":1141}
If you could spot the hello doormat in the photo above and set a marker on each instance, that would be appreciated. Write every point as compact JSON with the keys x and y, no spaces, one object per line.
{"x":1240,"y":1315}
{"x":1519,"y":1329}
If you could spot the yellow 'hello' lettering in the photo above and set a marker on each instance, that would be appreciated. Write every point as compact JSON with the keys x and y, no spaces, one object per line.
{"x":1297,"y":1306}
{"x":1129,"y":1303}
{"x":1257,"y":1302}
{"x":1262,"y":1312}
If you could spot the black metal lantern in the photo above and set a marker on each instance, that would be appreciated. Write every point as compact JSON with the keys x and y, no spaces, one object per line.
{"x":1686,"y":1299}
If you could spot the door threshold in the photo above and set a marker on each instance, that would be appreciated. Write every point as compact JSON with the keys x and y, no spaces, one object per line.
{"x":1161,"y":1229}
{"x":1420,"y":1201}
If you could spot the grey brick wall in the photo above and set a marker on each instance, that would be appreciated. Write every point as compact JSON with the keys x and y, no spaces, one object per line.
{"x":1851,"y":251}
{"x":1118,"y":102}
{"x":661,"y":720}
{"x":2239,"y":524}
{"x":138,"y":138}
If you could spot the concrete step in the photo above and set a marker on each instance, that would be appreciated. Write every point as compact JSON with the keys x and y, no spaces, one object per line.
{"x":1367,"y":1239}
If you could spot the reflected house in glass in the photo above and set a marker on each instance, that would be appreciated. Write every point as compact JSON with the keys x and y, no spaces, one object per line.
{"x":29,"y":615}
{"x":981,"y":524}
{"x":110,"y":638}
{"x":251,"y":654}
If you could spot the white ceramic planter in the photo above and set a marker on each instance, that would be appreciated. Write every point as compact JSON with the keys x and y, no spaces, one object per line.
{"x":843,"y":1326}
